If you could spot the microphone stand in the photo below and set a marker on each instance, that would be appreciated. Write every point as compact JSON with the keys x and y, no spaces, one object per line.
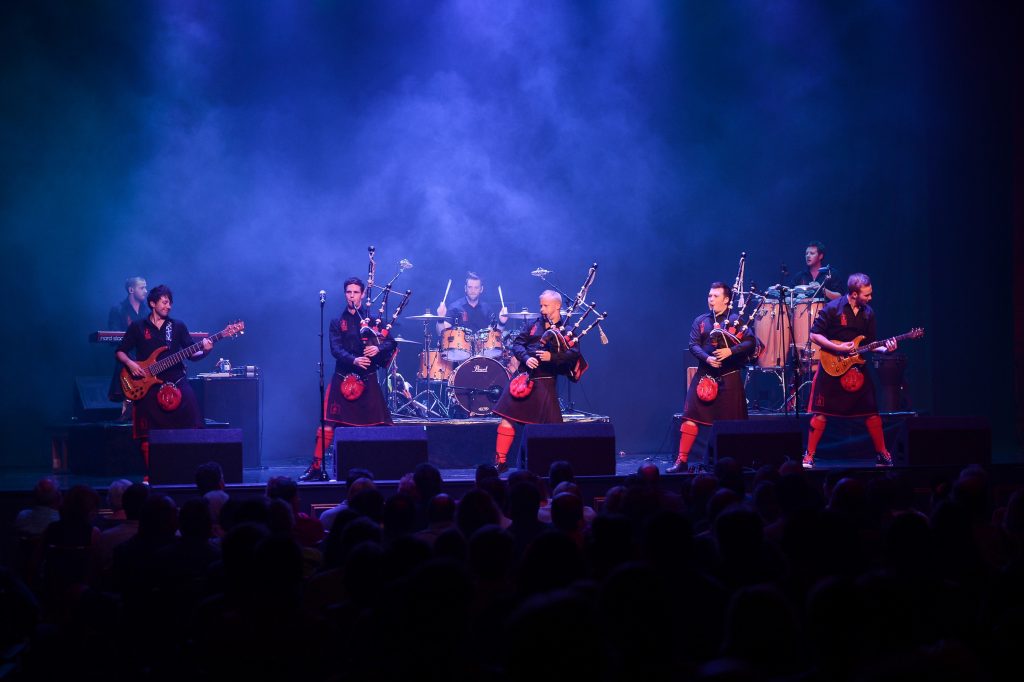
{"x":320,"y":369}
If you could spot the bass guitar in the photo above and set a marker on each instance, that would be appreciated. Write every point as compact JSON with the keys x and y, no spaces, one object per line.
{"x":137,"y":387}
{"x":837,"y":364}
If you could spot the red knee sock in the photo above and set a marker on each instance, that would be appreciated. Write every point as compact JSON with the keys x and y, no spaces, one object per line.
{"x":874,"y":424}
{"x":324,"y":438}
{"x":506,"y":434}
{"x":815,"y":433}
{"x":687,"y":434}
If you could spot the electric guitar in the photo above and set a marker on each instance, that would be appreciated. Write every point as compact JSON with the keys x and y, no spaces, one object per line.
{"x":136,"y":387}
{"x":837,"y":364}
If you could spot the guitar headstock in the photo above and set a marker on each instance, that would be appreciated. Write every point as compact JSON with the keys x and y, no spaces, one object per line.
{"x":234,"y":329}
{"x":916,"y":333}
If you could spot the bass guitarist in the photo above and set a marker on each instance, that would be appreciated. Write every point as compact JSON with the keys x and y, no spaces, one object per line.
{"x":142,"y":338}
{"x":851,"y":395}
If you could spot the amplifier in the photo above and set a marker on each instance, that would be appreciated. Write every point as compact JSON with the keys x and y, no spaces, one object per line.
{"x":239,"y":402}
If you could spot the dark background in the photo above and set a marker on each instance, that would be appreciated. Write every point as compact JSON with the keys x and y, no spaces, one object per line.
{"x":247,"y":153}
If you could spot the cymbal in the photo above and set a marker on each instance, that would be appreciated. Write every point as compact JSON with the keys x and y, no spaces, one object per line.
{"x":523,"y":315}
{"x":425,"y":316}
{"x":399,"y":339}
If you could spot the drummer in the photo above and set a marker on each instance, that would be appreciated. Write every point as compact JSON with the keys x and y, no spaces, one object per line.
{"x":470,"y":311}
{"x":818,"y":273}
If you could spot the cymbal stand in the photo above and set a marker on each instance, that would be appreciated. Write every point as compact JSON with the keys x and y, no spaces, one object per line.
{"x":426,"y":403}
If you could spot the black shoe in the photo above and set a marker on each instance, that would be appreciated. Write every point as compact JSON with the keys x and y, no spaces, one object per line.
{"x":883,"y":459}
{"x":502,"y":467}
{"x":677,"y":468}
{"x":315,"y":472}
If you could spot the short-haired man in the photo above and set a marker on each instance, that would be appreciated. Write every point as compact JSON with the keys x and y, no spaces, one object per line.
{"x":470,"y":311}
{"x":158,"y":330}
{"x":545,"y":354}
{"x":818,"y":273}
{"x":852,"y":394}
{"x":354,"y":397}
{"x":131,"y":309}
{"x":716,"y":390}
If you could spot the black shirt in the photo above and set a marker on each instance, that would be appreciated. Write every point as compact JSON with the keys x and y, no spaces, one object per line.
{"x":143,"y":337}
{"x":123,"y":314}
{"x":462,"y":314}
{"x":836,"y":322}
{"x":703,"y":342}
{"x":347,"y":345}
{"x":830,"y":279}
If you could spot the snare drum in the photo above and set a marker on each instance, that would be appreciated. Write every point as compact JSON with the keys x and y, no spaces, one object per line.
{"x":477,"y":384}
{"x":804,"y":314}
{"x":487,"y":342}
{"x":432,"y":366}
{"x":769,"y":328}
{"x":455,"y":344}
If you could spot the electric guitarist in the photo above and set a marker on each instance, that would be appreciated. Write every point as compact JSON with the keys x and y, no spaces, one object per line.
{"x":852,"y":394}
{"x":161,"y":409}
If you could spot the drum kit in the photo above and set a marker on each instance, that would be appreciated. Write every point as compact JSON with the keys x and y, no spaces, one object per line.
{"x":464,"y":372}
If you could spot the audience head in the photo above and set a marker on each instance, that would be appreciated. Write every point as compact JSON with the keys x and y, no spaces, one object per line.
{"x":427,"y":478}
{"x":46,"y":493}
{"x":355,"y":474}
{"x":282,"y":488}
{"x":209,"y":476}
{"x":133,"y":499}
{"x":648,"y":473}
{"x":115,"y":493}
{"x":560,"y":470}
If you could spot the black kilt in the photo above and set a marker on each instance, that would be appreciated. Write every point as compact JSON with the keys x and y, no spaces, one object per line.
{"x":540,"y":407}
{"x":147,"y":413}
{"x":369,"y":409}
{"x":730,"y":403}
{"x":828,"y":397}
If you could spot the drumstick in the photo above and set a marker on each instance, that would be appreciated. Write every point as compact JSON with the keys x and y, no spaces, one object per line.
{"x":501,"y":296}
{"x":445,"y":299}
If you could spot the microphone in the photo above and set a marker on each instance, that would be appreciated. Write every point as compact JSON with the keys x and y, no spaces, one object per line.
{"x":404,"y":264}
{"x":323,"y":297}
{"x":371,"y":249}
{"x":540,"y":272}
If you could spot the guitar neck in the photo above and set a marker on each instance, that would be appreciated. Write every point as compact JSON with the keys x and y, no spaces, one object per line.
{"x":878,"y":344}
{"x":166,"y":363}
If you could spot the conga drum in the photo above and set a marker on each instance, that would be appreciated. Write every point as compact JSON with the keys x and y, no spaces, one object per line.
{"x":804,"y":313}
{"x":770,"y":327}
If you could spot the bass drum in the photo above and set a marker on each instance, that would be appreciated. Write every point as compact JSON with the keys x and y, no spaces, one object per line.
{"x":804,"y":314}
{"x":477,"y":384}
{"x":769,"y":327}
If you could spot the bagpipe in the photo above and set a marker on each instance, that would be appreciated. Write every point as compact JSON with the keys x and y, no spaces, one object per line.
{"x":372,"y":329}
{"x":564,"y":336}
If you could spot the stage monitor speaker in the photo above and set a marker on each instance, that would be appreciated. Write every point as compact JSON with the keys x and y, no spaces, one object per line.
{"x":589,"y":447}
{"x":754,"y":443}
{"x":388,"y":452}
{"x":944,"y":441}
{"x":174,"y":454}
{"x":91,"y":401}
{"x":237,"y":401}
